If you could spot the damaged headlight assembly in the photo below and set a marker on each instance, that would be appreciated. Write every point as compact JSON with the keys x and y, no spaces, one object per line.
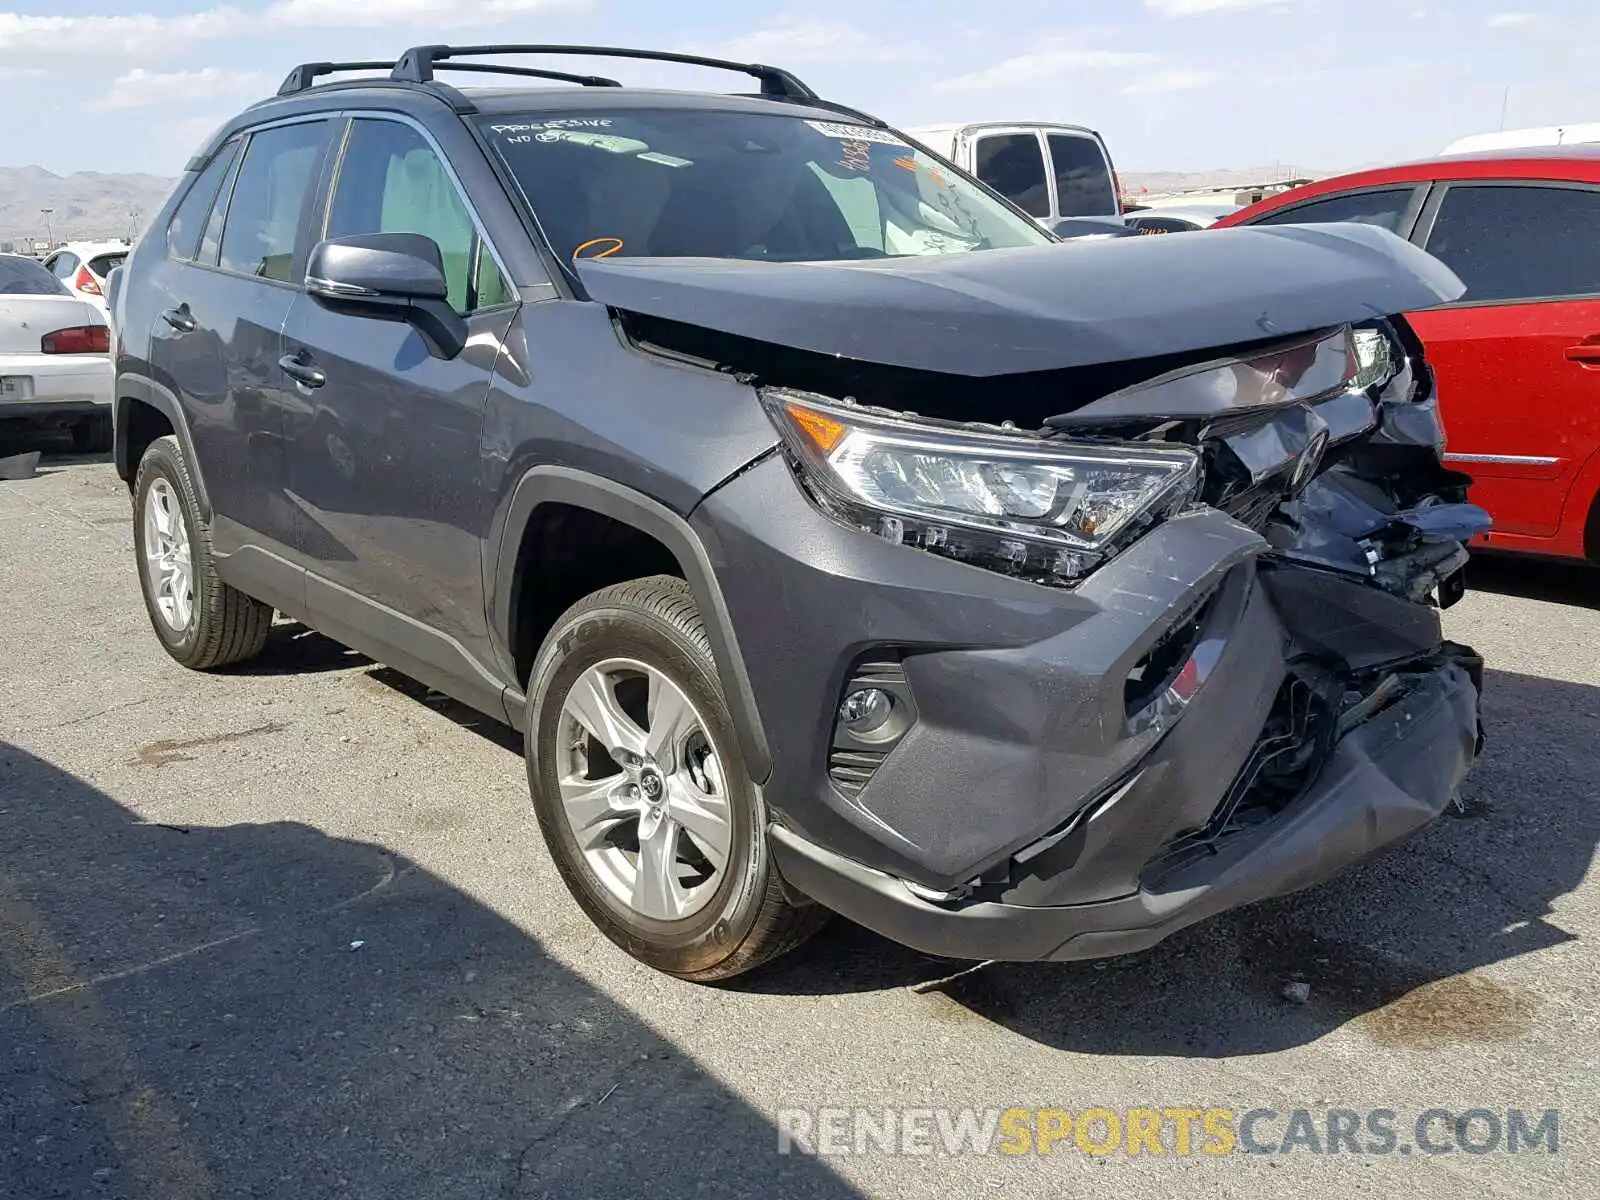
{"x":1046,"y":510}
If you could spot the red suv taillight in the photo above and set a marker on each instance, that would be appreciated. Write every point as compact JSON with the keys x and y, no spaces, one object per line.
{"x":85,"y":281}
{"x":79,"y":339}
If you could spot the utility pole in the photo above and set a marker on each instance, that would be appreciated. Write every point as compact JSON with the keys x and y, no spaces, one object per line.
{"x":49,"y":233}
{"x":1505,"y":101}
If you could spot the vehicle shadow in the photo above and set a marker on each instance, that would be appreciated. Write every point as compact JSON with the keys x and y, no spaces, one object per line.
{"x":53,"y":442}
{"x":296,"y":649}
{"x":1386,"y":945}
{"x":266,"y":1010}
{"x":1558,"y":582}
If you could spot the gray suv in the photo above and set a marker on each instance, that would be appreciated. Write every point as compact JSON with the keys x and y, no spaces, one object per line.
{"x":837,"y":540}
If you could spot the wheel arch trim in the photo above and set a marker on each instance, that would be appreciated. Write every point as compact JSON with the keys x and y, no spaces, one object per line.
{"x":549,"y":484}
{"x":141,"y":389}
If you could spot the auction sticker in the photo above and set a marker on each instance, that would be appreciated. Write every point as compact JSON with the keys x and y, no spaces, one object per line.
{"x":856,"y":133}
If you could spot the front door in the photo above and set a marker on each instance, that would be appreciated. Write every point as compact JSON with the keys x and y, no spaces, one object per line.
{"x":384,"y":456}
{"x":1518,"y":357}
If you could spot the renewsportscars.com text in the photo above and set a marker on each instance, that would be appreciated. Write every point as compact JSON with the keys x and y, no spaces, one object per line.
{"x":1178,"y":1131}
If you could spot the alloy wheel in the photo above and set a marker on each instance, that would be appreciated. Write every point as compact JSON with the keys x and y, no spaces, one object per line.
{"x":167,"y":562}
{"x":642,"y":788}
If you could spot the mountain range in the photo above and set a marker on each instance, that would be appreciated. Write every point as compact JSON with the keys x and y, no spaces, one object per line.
{"x":87,"y":205}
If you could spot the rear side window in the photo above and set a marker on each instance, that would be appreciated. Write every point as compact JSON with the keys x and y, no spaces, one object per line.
{"x":103,"y":264}
{"x":1520,"y":242}
{"x":183,"y":233}
{"x":269,"y":197}
{"x":392,"y":181}
{"x":1383,"y":208}
{"x":1013,"y":165}
{"x":63,"y":265}
{"x":24,"y":277}
{"x":1083,"y":179}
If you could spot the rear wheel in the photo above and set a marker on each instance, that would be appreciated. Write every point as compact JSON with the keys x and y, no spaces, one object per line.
{"x":201,"y":621}
{"x":641,"y":793}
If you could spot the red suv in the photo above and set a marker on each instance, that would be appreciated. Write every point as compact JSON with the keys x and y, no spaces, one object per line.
{"x":1518,"y":356}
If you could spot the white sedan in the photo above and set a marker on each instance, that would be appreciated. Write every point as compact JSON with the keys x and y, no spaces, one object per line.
{"x":55,"y":355}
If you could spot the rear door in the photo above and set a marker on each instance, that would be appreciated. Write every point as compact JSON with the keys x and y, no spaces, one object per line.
{"x":226,"y":291}
{"x":1518,"y":357}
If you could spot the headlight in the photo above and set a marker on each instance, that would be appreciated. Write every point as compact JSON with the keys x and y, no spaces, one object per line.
{"x":1374,"y":360}
{"x":1046,"y":510}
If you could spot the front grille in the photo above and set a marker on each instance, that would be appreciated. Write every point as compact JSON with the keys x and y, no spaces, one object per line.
{"x":1254,"y":507}
{"x":1296,"y":739}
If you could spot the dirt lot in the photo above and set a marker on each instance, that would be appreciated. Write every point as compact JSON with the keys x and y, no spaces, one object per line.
{"x":289,"y":931}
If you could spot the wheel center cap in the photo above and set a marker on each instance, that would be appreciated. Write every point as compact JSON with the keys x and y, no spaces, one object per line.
{"x":650,"y":784}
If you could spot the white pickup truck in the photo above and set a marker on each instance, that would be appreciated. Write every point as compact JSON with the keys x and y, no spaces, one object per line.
{"x":1054,"y":173}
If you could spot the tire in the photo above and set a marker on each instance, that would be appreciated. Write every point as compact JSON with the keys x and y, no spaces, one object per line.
{"x":743,"y":918}
{"x":224,"y":625}
{"x":92,"y":435}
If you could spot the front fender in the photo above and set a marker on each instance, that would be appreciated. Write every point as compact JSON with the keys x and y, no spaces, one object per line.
{"x":581,"y":489}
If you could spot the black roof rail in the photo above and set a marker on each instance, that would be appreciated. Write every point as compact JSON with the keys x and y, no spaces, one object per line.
{"x":532,"y":72}
{"x":306,"y":74}
{"x":417,"y":64}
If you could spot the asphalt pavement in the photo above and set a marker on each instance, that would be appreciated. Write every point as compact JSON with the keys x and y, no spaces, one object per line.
{"x":288,"y":930}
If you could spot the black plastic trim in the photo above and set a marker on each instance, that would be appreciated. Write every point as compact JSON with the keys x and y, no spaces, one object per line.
{"x":565,"y":485}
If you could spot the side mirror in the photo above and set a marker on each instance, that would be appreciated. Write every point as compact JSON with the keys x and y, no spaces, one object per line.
{"x":389,"y":276}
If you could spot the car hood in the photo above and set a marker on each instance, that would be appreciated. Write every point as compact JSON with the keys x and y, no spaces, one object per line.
{"x":1001,"y":312}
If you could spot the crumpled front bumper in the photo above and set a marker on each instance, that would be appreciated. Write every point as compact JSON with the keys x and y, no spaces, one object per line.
{"x":1383,"y":780}
{"x":1031,"y":810}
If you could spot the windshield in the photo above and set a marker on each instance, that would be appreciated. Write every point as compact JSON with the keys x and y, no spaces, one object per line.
{"x":742,"y":185}
{"x":24,"y":277}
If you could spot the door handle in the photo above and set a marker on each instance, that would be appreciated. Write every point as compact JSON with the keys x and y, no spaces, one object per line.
{"x":1585,"y":353}
{"x":179,"y":318}
{"x":299,"y":368}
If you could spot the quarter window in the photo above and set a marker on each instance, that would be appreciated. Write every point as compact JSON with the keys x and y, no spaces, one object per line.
{"x":1383,"y":208}
{"x":183,"y":233}
{"x":392,"y":181}
{"x":1013,"y":165}
{"x":269,"y":196}
{"x":1519,"y":242}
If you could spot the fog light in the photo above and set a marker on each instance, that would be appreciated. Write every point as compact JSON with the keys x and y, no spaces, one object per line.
{"x":866,"y":710}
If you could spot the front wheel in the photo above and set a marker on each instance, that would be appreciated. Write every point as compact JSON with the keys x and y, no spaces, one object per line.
{"x":641,"y":793}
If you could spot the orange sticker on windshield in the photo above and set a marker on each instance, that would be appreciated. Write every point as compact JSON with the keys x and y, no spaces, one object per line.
{"x":610,"y":246}
{"x":908,"y":164}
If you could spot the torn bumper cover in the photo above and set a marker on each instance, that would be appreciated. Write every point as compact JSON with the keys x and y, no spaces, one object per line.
{"x":1383,"y":779}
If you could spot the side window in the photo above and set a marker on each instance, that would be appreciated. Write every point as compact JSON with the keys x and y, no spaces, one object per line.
{"x":183,"y":233}
{"x":211,"y":240}
{"x":392,"y":181}
{"x":1520,"y":242}
{"x":63,"y":266}
{"x":1383,"y":208}
{"x":269,"y":197}
{"x":1013,"y":165}
{"x":1083,"y":178}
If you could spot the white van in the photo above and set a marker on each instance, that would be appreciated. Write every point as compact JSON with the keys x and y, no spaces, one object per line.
{"x":1052,"y":172}
{"x":1517,"y":139}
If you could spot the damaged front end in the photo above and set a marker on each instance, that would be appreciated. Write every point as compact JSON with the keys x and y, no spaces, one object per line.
{"x":1241,"y":689}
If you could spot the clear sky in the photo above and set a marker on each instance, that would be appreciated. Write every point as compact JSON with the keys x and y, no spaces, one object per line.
{"x":1173,"y":84}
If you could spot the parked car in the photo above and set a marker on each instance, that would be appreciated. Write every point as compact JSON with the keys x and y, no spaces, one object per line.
{"x":1052,"y":172}
{"x":1518,"y":354}
{"x":832,"y":547}
{"x":55,"y":355}
{"x":84,"y":266}
{"x":1177,"y":218}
